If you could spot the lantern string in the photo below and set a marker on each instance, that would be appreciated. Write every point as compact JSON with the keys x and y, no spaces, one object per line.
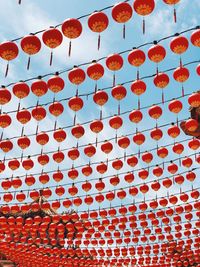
{"x":28,"y":63}
{"x":107,"y":176}
{"x":102,"y":58}
{"x":104,"y":88}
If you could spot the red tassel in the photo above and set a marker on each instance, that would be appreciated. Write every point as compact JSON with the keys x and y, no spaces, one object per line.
{"x":124,"y":31}
{"x":55,"y":124}
{"x":95,"y":88}
{"x":51,"y":58}
{"x":99,"y":41}
{"x":7,"y":68}
{"x":119,"y":108}
{"x":183,"y":93}
{"x":70,"y":48}
{"x":175,"y":19}
{"x":143,"y":26}
{"x":22,"y":131}
{"x":163,"y":99}
{"x":114,"y":79}
{"x":124,"y":155}
{"x":116,"y":137}
{"x":75,"y":119}
{"x":101,"y":114}
{"x":181,"y":64}
{"x":138,"y":103}
{"x":138,"y":74}
{"x":29,"y":62}
{"x":96,"y":141}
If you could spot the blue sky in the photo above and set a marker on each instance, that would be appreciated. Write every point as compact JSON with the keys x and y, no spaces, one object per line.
{"x":32,"y":16}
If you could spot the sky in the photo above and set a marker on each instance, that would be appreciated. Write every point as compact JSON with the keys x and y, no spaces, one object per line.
{"x":32,"y":16}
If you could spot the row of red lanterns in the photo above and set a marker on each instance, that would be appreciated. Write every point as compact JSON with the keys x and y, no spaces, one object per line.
{"x":72,"y":29}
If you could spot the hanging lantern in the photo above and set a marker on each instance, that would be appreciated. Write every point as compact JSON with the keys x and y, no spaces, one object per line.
{"x":75,"y":104}
{"x":162,"y":152}
{"x":72,"y":190}
{"x":30,"y":180}
{"x":23,"y":142}
{"x":117,"y":164}
{"x":58,"y":176}
{"x":173,"y":131}
{"x":42,"y":138}
{"x":191,"y":125}
{"x":27,"y":163}
{"x":20,"y":197}
{"x":156,"y":53}
{"x":136,"y":58}
{"x":8,"y":51}
{"x":5,"y":96}
{"x":179,"y":45}
{"x":175,"y":106}
{"x":198,"y":70}
{"x":172,"y":2}
{"x":147,"y":157}
{"x":172,"y":168}
{"x":119,"y":92}
{"x":2,"y":166}
{"x":136,"y":116}
{"x":39,"y":87}
{"x":78,"y":131}
{"x":76,"y":76}
{"x":16,"y":182}
{"x":100,"y":98}
{"x":72,"y":29}
{"x":155,"y":112}
{"x":138,"y":87}
{"x":44,"y":178}
{"x":90,"y":150}
{"x":139,"y":139}
{"x":52,"y":38}
{"x":181,"y":75}
{"x":13,"y":164}
{"x":123,"y":142}
{"x":87,"y":170}
{"x":31,"y":45}
{"x":58,"y":156}
{"x":56,"y":84}
{"x":6,"y":145}
{"x":98,"y":22}
{"x":23,"y":116}
{"x":95,"y":71}
{"x":157,"y":171}
{"x":102,"y":168}
{"x":107,"y":147}
{"x":195,"y":38}
{"x":194,"y":100}
{"x":56,"y":109}
{"x":59,"y":135}
{"x":6,"y":184}
{"x":116,"y":123}
{"x":5,"y":120}
{"x":21,"y":90}
{"x":144,"y":8}
{"x":73,"y":154}
{"x":114,"y":63}
{"x":161,"y":80}
{"x":132,"y":161}
{"x":194,"y":144}
{"x":38,"y":113}
{"x":122,"y":13}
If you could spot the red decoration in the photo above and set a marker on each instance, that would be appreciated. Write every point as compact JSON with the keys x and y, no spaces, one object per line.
{"x":136,"y":58}
{"x":56,"y":84}
{"x":100,"y":98}
{"x":156,"y":54}
{"x":39,"y":88}
{"x":8,"y":51}
{"x":5,"y":96}
{"x":31,"y":45}
{"x":161,"y":80}
{"x":122,"y":13}
{"x":114,"y":63}
{"x":52,"y":38}
{"x":144,"y":8}
{"x":195,"y":38}
{"x":98,"y":22}
{"x":72,"y":29}
{"x":172,"y":2}
{"x":95,"y":71}
{"x":138,"y":87}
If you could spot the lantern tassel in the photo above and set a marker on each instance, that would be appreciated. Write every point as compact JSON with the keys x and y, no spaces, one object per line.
{"x":95,"y":88}
{"x":75,"y":119}
{"x":163,"y":98}
{"x":70,"y":48}
{"x":175,"y":18}
{"x":7,"y":68}
{"x":138,"y":74}
{"x":138,"y":103}
{"x":183,"y":93}
{"x":20,"y":1}
{"x":114,"y":79}
{"x":51,"y":58}
{"x":55,"y":124}
{"x":99,"y":41}
{"x":143,"y":26}
{"x":124,"y":31}
{"x":101,"y":114}
{"x":28,"y":63}
{"x":96,"y":141}
{"x":124,"y":155}
{"x":119,"y":108}
{"x":116,"y":137}
{"x":22,"y":131}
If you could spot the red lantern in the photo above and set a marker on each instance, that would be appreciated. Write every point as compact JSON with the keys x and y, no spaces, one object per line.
{"x":107,"y":147}
{"x":98,"y":22}
{"x":73,"y":190}
{"x":144,"y":8}
{"x":5,"y":95}
{"x":90,"y":150}
{"x":155,"y":112}
{"x":13,"y":164}
{"x":38,"y":113}
{"x":42,"y":138}
{"x":78,"y":131}
{"x":194,"y":100}
{"x":56,"y":84}
{"x":73,"y":154}
{"x":73,"y":173}
{"x":122,"y":13}
{"x":31,"y":45}
{"x":114,"y":63}
{"x":162,"y":152}
{"x":23,"y":116}
{"x":75,"y":104}
{"x":181,"y":75}
{"x":27,"y":163}
{"x":21,"y":90}
{"x":132,"y":161}
{"x":119,"y":93}
{"x":39,"y":88}
{"x":58,"y":156}
{"x":6,"y":145}
{"x":136,"y":58}
{"x":23,"y":142}
{"x":179,"y":45}
{"x":101,"y":168}
{"x":116,"y":123}
{"x":138,"y":87}
{"x":30,"y":180}
{"x":95,"y":71}
{"x":5,"y":120}
{"x":195,"y":38}
{"x":194,"y":144}
{"x":100,"y":98}
{"x":44,"y":178}
{"x":72,"y":29}
{"x":161,"y":80}
{"x":76,"y":76}
{"x":191,"y":125}
{"x":173,"y":131}
{"x":156,"y":53}
{"x":147,"y":157}
{"x":172,"y":2}
{"x":198,"y":69}
{"x":56,"y":109}
{"x":8,"y":52}
{"x":52,"y":38}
